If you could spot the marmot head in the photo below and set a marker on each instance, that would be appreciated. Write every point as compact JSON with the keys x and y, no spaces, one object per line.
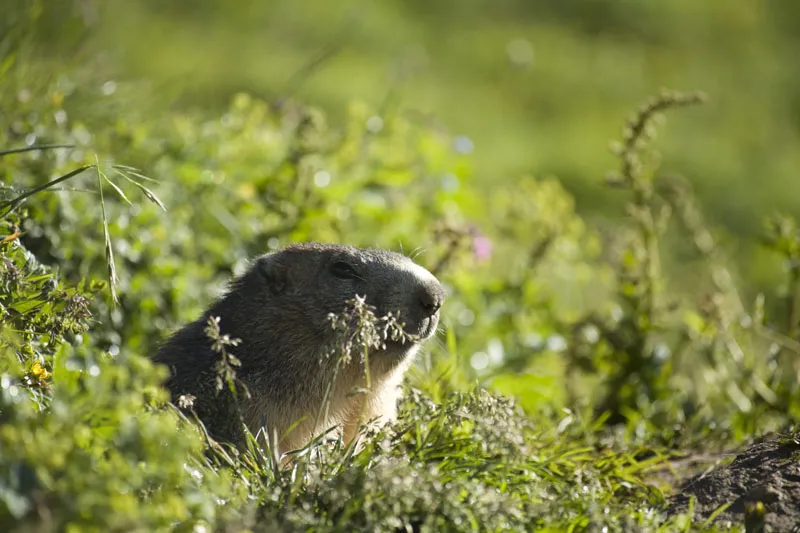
{"x":305,"y":283}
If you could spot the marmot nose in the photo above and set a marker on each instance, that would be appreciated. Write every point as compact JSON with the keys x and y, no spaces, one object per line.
{"x":431,"y":298}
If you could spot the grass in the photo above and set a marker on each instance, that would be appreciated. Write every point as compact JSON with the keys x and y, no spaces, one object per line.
{"x":470,"y":460}
{"x":577,"y":367}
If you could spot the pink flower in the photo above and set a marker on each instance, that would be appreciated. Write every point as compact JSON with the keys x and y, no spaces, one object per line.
{"x":482,"y":247}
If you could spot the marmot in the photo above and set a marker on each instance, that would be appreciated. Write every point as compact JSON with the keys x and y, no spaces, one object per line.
{"x":280,"y":310}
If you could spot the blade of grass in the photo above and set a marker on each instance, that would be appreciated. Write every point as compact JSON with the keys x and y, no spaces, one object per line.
{"x":134,"y":172}
{"x":70,"y":189}
{"x":34,"y":148}
{"x":718,"y":511}
{"x":112,"y":269}
{"x":10,"y":205}
{"x":147,"y":192}
{"x":116,"y":188}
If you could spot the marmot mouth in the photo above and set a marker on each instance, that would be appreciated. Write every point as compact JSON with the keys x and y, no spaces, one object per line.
{"x":424,"y":330}
{"x":428,"y":328}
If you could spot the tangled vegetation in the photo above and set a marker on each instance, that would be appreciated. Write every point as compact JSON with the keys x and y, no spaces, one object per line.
{"x":572,"y":380}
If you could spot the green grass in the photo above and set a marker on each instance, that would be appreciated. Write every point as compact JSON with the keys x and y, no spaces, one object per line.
{"x":627,"y":342}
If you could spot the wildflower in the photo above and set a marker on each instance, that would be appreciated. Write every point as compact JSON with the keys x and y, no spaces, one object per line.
{"x":481,"y":247}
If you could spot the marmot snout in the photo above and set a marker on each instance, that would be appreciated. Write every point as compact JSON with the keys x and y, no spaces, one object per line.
{"x":280,"y":310}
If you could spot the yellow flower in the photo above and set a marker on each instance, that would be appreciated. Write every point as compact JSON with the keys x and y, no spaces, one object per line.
{"x":39,"y":372}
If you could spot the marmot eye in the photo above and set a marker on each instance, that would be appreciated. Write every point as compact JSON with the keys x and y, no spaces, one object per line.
{"x":343,"y":270}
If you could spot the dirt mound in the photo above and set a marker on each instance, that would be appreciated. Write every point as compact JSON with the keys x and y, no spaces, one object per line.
{"x":767,"y":472}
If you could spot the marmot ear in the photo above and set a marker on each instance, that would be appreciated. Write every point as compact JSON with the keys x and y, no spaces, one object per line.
{"x":273,"y":272}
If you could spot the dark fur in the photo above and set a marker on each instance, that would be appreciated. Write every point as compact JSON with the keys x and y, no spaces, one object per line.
{"x":279,"y":309}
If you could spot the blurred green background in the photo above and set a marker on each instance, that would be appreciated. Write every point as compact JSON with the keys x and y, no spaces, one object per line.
{"x":444,"y":128}
{"x":534,"y":87}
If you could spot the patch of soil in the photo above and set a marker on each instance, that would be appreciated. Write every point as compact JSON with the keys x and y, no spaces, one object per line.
{"x":767,"y":472}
